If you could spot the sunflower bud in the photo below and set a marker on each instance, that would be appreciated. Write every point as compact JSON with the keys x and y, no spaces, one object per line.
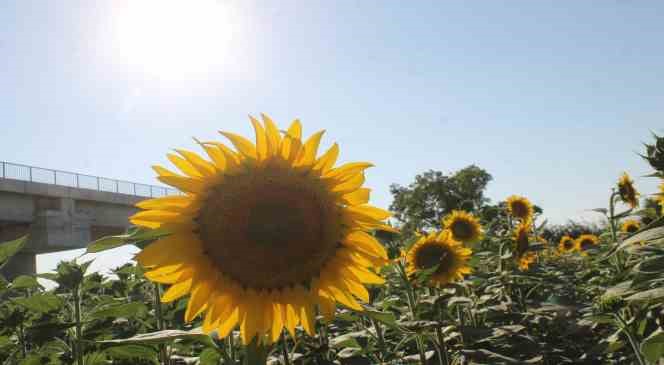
{"x":655,"y":153}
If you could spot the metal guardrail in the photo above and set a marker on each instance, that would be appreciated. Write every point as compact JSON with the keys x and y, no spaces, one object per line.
{"x":73,"y":180}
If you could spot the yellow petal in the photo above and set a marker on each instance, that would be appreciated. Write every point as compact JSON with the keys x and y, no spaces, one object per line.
{"x":177,"y":291}
{"x":273,"y":137}
{"x":349,"y":185}
{"x":328,"y":159}
{"x":344,"y":171}
{"x":174,"y":246}
{"x":261,"y":140}
{"x":327,"y":307}
{"x":370,"y":212}
{"x":355,"y":288}
{"x":203,"y":167}
{"x":277,"y":321}
{"x":184,"y":165}
{"x":228,"y":324}
{"x":162,"y":171}
{"x":291,"y":144}
{"x":364,"y":276}
{"x":243,"y":145}
{"x":183,"y":183}
{"x":173,"y":202}
{"x":365,"y":242}
{"x":310,"y":149}
{"x":178,"y":274}
{"x":198,"y":300}
{"x":161,"y":216}
{"x":216,"y":155}
{"x":357,"y":197}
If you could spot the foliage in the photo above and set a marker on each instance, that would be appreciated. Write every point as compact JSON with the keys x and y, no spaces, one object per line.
{"x":601,"y":306}
{"x":422,"y":204}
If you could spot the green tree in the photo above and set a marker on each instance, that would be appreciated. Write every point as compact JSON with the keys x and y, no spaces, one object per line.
{"x":423,"y":203}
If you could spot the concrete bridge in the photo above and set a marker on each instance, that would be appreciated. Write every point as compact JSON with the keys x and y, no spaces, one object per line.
{"x":62,"y":210}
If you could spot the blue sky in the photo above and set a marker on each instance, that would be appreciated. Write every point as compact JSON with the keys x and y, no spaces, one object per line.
{"x":552,"y":98}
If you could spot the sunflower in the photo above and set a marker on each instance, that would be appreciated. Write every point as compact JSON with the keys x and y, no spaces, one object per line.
{"x":585,"y":241}
{"x":522,"y":238}
{"x":630,"y":226}
{"x":525,"y":260}
{"x":660,"y":196}
{"x":439,"y":248}
{"x":464,"y":226}
{"x":264,"y":234}
{"x":627,"y":192}
{"x":566,"y":244}
{"x":519,"y":207}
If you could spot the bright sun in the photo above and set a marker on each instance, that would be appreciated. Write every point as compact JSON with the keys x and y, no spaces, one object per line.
{"x":172,"y":38}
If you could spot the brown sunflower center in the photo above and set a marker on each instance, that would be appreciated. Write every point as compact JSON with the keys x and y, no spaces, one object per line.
{"x":432,"y":255}
{"x":631,"y":228}
{"x":568,"y":244}
{"x":269,"y":229}
{"x":462,"y":229}
{"x":586,"y":244}
{"x":519,"y":209}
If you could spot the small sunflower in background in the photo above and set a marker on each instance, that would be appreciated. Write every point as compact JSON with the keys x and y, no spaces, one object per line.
{"x":439,"y":248}
{"x":463,"y":226}
{"x":525,"y":260}
{"x":585,"y":242}
{"x":522,"y":237}
{"x":630,"y":226}
{"x":566,"y":244}
{"x":660,"y":196}
{"x":627,"y":192}
{"x":520,"y":207}
{"x":263,"y":234}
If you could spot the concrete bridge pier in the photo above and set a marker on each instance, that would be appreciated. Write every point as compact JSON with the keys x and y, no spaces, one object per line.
{"x":57,"y":218}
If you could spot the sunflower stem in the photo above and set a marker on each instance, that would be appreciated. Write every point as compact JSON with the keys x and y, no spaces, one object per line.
{"x":163,"y":355}
{"x":630,"y":336}
{"x":410,"y":293}
{"x":78,"y":344}
{"x":255,"y":353}
{"x":284,"y":348}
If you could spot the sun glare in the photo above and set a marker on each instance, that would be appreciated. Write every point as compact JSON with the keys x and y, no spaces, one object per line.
{"x":172,"y":38}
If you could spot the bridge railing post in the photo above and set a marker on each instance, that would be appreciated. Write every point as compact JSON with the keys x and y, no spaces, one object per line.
{"x":3,"y":169}
{"x":30,"y":173}
{"x":55,"y":177}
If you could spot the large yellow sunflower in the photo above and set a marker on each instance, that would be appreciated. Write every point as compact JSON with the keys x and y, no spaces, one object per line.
{"x":585,"y":242}
{"x":630,"y":226}
{"x":439,"y":248}
{"x":263,"y":234}
{"x":627,"y":192}
{"x":464,"y":226}
{"x":519,"y":207}
{"x":566,"y":244}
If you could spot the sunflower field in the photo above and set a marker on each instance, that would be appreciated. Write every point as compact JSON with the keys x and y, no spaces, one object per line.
{"x":271,"y":254}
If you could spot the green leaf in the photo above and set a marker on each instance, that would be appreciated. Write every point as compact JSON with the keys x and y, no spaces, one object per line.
{"x":131,"y":352}
{"x":651,"y":295}
{"x":126,"y":310}
{"x":134,"y":235}
{"x":9,"y":249}
{"x":95,"y":358}
{"x":644,"y":236}
{"x":25,"y":282}
{"x":652,"y":347}
{"x":458,"y":301}
{"x":385,"y":318}
{"x":164,"y":337}
{"x":210,"y":356}
{"x":42,"y":303}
